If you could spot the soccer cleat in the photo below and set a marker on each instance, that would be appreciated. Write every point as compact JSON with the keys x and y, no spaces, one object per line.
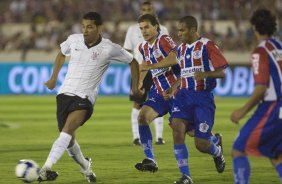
{"x":160,"y":141}
{"x":136,"y":142}
{"x":147,"y":165}
{"x":184,"y":180}
{"x":45,"y":174}
{"x":88,"y":173}
{"x":219,"y":160}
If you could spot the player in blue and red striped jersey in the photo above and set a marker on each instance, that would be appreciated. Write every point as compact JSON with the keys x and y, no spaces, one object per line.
{"x":159,"y":55}
{"x":201,"y":63}
{"x":262,"y":133}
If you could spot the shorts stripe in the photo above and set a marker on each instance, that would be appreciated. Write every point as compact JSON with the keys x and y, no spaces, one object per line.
{"x":254,"y":139}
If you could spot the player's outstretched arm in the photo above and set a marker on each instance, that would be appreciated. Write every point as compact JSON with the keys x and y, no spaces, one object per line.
{"x":255,"y":98}
{"x":59,"y":61}
{"x":219,"y":73}
{"x":168,"y":61}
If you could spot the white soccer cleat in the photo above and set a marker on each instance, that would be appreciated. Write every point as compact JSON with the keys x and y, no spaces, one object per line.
{"x":88,"y":173}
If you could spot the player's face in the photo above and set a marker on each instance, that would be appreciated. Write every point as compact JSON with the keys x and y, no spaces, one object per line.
{"x":90,"y":31}
{"x":148,"y":31}
{"x":184,"y":33}
{"x":146,"y":9}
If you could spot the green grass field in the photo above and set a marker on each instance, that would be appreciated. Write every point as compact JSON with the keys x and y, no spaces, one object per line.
{"x":28,"y":128}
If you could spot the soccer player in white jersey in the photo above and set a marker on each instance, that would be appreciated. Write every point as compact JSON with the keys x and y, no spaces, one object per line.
{"x":132,"y":40}
{"x":90,"y":56}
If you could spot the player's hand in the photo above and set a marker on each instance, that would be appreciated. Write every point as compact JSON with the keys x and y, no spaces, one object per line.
{"x":138,"y":92}
{"x":237,"y":115}
{"x":167,"y":94}
{"x":199,"y":75}
{"x":51,"y":84}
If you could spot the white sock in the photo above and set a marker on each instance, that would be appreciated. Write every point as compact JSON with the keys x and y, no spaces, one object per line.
{"x":76,"y":154}
{"x":159,"y":125}
{"x":134,"y":123}
{"x":58,"y":149}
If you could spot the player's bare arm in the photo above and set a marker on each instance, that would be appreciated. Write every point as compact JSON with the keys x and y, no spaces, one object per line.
{"x":168,"y":61}
{"x":134,"y":67}
{"x":170,"y":92}
{"x":218,"y":73}
{"x":59,"y":61}
{"x":255,"y":98}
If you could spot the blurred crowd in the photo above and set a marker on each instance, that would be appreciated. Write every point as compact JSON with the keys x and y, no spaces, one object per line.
{"x":49,"y":22}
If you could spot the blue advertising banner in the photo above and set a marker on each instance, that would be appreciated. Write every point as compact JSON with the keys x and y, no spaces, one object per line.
{"x":30,"y":79}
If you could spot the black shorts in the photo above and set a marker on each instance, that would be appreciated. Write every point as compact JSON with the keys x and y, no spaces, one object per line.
{"x":67,"y":104}
{"x":147,"y":83}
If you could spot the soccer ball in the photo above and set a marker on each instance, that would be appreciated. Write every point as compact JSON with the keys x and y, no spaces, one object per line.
{"x":27,"y":170}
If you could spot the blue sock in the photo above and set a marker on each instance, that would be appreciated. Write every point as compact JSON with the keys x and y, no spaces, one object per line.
{"x":215,"y":151}
{"x":241,"y":170}
{"x":279,"y":170}
{"x":214,"y":139}
{"x":181,"y":156}
{"x":146,"y":140}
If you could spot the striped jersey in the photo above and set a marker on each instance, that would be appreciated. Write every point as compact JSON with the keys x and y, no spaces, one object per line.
{"x":163,"y":78}
{"x":201,"y":56}
{"x":267,"y":67}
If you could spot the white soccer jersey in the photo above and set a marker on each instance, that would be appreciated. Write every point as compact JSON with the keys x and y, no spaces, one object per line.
{"x":88,"y":65}
{"x":134,"y":38}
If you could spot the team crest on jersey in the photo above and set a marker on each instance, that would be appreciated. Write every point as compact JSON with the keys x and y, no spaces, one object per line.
{"x":188,"y":56}
{"x":95,"y":55}
{"x":204,"y":127}
{"x":197,"y":54}
{"x":157,"y":53}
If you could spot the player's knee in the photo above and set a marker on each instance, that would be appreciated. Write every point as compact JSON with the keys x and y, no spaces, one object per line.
{"x":236,"y":153}
{"x":143,"y":119}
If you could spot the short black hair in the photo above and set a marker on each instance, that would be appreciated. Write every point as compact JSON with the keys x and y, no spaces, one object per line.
{"x":190,"y":22}
{"x":151,"y":18}
{"x":264,"y":22}
{"x":147,"y":3}
{"x":96,"y":17}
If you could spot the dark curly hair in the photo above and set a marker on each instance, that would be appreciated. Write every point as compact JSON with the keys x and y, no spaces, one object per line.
{"x":264,"y":22}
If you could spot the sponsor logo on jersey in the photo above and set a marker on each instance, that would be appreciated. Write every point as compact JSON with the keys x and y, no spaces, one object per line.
{"x":204,"y":127}
{"x":277,"y":54}
{"x":170,"y":41}
{"x":197,"y":54}
{"x":255,"y":63}
{"x":158,"y":72}
{"x":189,"y":72}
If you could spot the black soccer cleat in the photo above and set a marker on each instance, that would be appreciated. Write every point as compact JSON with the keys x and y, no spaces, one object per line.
{"x":136,"y":142}
{"x":160,"y":141}
{"x":47,"y":175}
{"x":147,"y":165}
{"x":219,"y":160}
{"x":184,"y":180}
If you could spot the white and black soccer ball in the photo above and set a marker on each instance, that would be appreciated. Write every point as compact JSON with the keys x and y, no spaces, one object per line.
{"x":27,"y":170}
